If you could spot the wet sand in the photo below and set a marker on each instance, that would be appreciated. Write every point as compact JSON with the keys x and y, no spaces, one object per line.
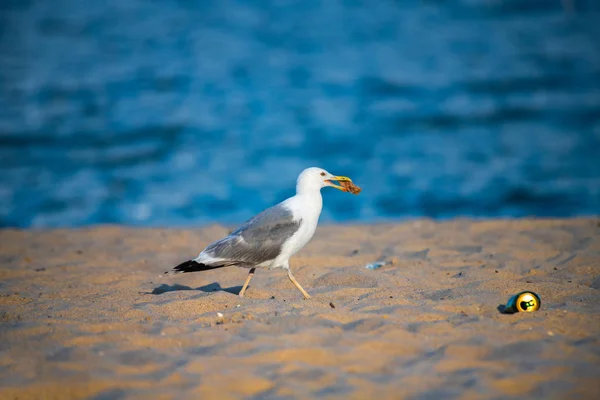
{"x":86,"y":314}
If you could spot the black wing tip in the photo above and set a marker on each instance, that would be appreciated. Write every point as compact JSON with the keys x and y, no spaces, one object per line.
{"x":186,"y":266}
{"x":191,"y":266}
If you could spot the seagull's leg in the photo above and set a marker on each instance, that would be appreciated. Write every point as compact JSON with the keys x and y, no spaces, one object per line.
{"x":295,"y":282}
{"x":250,"y":275}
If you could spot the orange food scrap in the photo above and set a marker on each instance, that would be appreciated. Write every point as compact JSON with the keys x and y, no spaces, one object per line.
{"x":350,"y":187}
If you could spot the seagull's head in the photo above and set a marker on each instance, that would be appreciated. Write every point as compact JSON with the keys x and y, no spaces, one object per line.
{"x":314,"y":179}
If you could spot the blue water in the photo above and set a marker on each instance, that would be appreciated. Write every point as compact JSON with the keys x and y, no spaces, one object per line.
{"x":176,"y":112}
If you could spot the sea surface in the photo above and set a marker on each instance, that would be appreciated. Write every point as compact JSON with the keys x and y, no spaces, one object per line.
{"x":184,"y":113}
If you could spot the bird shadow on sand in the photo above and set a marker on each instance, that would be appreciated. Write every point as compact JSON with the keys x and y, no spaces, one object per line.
{"x":211,"y":287}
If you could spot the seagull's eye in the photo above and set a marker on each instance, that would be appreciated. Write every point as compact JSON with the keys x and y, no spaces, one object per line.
{"x":322,"y":173}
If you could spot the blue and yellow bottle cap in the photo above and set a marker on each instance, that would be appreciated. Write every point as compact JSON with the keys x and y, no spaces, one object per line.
{"x":523,"y":302}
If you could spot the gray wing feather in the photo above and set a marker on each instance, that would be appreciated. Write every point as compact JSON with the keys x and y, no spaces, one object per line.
{"x":258,"y":240}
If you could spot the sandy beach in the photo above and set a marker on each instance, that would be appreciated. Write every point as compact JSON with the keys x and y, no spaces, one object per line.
{"x":87,"y":314}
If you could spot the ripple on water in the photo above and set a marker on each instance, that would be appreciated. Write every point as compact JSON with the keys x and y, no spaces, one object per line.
{"x":110,"y":115}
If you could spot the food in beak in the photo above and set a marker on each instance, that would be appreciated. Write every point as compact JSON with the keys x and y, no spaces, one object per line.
{"x":350,"y":187}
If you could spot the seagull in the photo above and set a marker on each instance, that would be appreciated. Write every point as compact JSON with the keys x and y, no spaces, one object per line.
{"x":270,"y":238}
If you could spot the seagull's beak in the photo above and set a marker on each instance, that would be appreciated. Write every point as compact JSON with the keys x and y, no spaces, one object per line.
{"x":338,"y":179}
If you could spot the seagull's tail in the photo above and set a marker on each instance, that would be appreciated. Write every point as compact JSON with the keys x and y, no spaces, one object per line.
{"x":192,"y":266}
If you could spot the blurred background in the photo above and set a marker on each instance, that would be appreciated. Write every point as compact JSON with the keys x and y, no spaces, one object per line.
{"x":182,"y":113}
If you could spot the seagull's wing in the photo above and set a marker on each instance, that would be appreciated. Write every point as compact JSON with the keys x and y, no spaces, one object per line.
{"x":258,"y":240}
